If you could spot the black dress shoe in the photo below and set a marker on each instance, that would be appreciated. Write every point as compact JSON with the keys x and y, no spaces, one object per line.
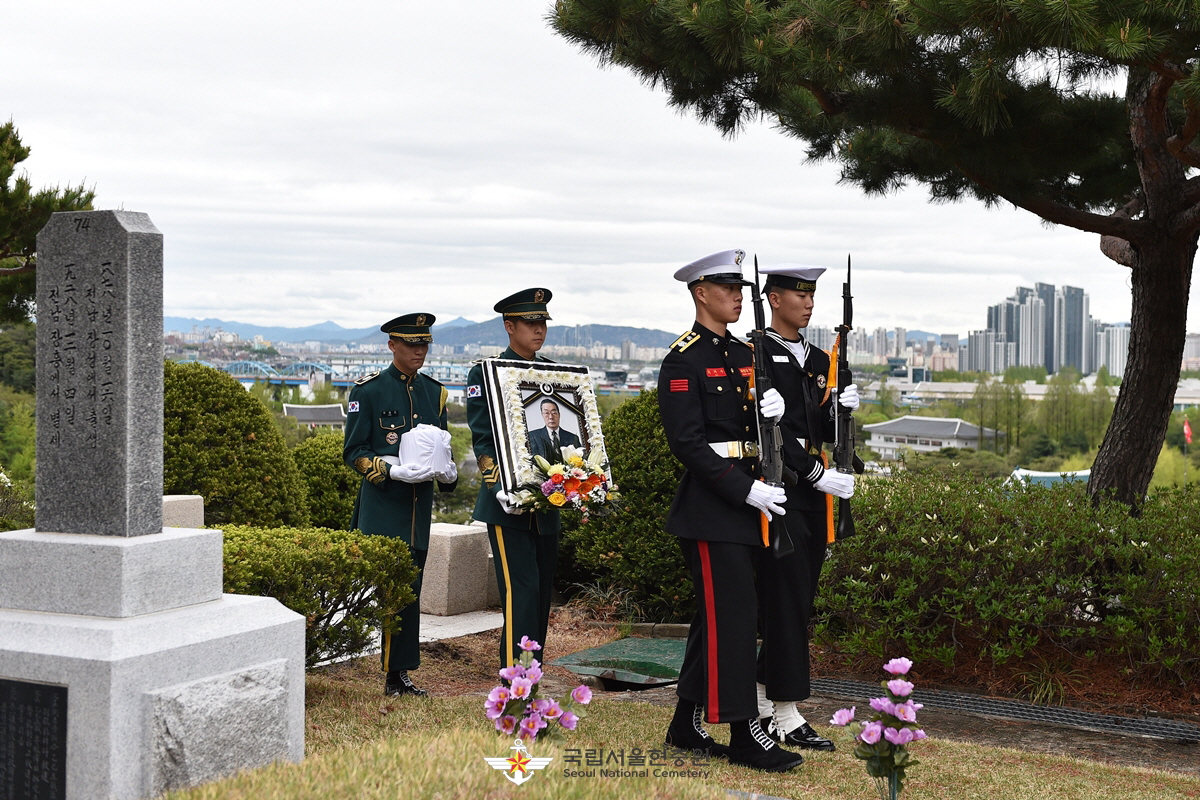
{"x":761,"y":753}
{"x":803,"y":737}
{"x":399,"y":683}
{"x":686,"y":733}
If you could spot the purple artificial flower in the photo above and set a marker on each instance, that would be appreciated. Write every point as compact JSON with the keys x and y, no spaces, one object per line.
{"x":552,"y":710}
{"x":843,"y":716}
{"x":581,"y":694}
{"x":898,"y":666}
{"x":906,"y":712}
{"x":540,"y":705}
{"x":533,"y":672}
{"x":883,"y":705}
{"x":528,"y":644}
{"x":495,"y":708}
{"x":549,"y":488}
{"x":512,"y":673}
{"x":871,"y":732}
{"x":499,"y":693}
{"x":521,"y":688}
{"x":507,"y":724}
{"x":898,"y":736}
{"x":568,"y":720}
{"x":918,"y":735}
{"x":900,"y":687}
{"x":531,"y":725}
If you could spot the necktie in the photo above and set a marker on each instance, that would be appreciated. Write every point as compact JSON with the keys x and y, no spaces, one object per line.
{"x":554,"y":440}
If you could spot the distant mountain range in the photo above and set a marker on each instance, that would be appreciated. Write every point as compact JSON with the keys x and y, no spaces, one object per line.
{"x":457,"y":331}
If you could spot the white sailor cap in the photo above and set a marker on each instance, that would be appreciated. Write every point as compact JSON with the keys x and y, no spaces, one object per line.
{"x":801,"y":277}
{"x":723,"y":267}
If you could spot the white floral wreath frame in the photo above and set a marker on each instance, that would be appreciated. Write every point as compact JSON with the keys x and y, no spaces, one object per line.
{"x":506,"y":383}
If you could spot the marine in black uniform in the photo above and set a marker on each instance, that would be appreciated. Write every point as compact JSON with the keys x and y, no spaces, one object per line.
{"x":709,"y":418}
{"x":524,"y":544}
{"x":396,"y":499}
{"x":787,"y":586}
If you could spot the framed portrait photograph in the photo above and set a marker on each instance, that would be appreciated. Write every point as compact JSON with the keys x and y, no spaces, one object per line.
{"x":538,"y":409}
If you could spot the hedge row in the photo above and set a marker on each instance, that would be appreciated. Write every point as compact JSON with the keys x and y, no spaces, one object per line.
{"x":344,"y":582}
{"x":964,"y":571}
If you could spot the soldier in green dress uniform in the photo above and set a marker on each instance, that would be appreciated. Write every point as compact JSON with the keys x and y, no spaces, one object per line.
{"x":396,"y":499}
{"x":524,"y":544}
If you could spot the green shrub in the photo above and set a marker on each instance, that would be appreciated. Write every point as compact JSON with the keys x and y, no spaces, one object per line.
{"x":16,"y":506}
{"x":978,"y":575}
{"x":630,"y":549}
{"x":220,"y":442}
{"x":343,"y":582}
{"x":332,"y":486}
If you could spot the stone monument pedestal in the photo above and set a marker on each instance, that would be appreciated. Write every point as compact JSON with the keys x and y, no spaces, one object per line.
{"x":167,"y":682}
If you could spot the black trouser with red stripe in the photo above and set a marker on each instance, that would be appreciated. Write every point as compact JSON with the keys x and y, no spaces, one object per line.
{"x":787,"y":588}
{"x":718,"y":663}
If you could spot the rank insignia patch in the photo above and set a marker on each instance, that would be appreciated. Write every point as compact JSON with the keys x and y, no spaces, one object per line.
{"x":679,"y":385}
{"x":474,"y":391}
{"x":352,"y":407}
{"x":715,"y":372}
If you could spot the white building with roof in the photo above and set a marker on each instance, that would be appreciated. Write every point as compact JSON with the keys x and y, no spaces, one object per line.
{"x":923,"y":435}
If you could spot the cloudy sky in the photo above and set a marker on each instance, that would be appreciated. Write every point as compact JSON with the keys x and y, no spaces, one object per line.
{"x":311,"y":161}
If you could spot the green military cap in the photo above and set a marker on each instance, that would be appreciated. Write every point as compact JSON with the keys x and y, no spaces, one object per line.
{"x":527,"y":304}
{"x":410,"y":327}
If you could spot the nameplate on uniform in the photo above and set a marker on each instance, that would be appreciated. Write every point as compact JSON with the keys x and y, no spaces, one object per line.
{"x":747,"y":372}
{"x":679,"y":385}
{"x":715,"y":372}
{"x":784,"y":359}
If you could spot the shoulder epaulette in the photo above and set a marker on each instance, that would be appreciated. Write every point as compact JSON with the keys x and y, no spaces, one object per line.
{"x":685,"y":341}
{"x":366,"y":378}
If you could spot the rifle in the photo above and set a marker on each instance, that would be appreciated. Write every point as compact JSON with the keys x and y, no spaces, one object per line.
{"x":844,"y":457}
{"x":770,"y":438}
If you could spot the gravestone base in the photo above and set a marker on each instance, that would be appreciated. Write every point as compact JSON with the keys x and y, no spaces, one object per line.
{"x":181,"y":687}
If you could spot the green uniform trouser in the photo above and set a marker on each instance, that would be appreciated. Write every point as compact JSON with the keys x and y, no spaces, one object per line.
{"x":402,"y":651}
{"x":525,"y":562}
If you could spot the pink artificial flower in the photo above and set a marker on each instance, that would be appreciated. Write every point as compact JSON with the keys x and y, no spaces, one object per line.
{"x":507,"y":724}
{"x":533,"y":672}
{"x":528,"y":644}
{"x":532,"y":724}
{"x":871,"y":732}
{"x":843,"y":716}
{"x":499,"y":693}
{"x":918,"y":735}
{"x":521,"y":688}
{"x":900,"y":687}
{"x":883,"y":705}
{"x":898,"y":666}
{"x":581,"y":694}
{"x":568,"y":720}
{"x":898,"y":736}
{"x":540,"y":705}
{"x":906,"y":712}
{"x":552,"y":710}
{"x":495,"y":708}
{"x":512,"y":673}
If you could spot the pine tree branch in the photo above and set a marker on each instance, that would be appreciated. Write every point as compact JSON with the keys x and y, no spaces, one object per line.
{"x":1180,"y":144}
{"x":1121,"y":250}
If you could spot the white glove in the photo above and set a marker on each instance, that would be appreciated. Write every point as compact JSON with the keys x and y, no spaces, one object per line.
{"x":410,"y":473}
{"x":507,"y":504}
{"x":838,"y":484}
{"x":767,"y":498}
{"x":448,"y":475}
{"x":848,"y":397}
{"x":771,"y":406}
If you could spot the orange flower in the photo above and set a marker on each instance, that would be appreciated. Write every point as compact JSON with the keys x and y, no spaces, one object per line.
{"x":557,"y":479}
{"x":571,"y":485}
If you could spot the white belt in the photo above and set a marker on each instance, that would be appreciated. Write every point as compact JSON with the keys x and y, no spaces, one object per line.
{"x":735,"y":449}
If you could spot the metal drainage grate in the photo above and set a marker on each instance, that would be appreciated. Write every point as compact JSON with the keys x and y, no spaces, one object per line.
{"x":1011,"y":709}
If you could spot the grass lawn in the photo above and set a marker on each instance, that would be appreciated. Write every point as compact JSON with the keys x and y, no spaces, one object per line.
{"x":362,"y":745}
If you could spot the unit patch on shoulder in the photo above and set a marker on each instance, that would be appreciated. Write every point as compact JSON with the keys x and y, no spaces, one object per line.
{"x":352,"y":407}
{"x":679,"y":385}
{"x":685,"y":341}
{"x":475,"y":391}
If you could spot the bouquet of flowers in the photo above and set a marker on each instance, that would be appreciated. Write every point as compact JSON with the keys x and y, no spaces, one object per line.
{"x":517,"y":709}
{"x":881,"y":743}
{"x":576,"y":483}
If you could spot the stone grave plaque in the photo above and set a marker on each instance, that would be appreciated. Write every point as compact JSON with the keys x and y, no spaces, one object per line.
{"x":33,"y":741}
